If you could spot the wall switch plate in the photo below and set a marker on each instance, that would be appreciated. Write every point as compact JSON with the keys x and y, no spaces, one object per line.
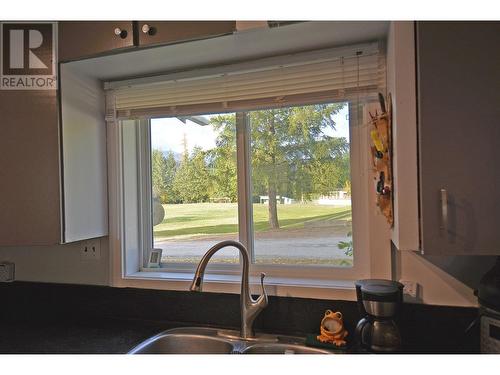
{"x":90,"y":250}
{"x":410,"y":288}
{"x":7,"y":272}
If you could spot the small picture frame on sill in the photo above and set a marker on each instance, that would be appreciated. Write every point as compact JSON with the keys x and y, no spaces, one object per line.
{"x":155,"y":258}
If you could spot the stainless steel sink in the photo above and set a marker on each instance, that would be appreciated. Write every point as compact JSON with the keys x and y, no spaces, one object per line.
{"x":186,"y":341}
{"x":216,"y":341}
{"x":280,"y":348}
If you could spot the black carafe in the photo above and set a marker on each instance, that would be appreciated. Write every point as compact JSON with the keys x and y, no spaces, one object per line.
{"x":378,"y":302}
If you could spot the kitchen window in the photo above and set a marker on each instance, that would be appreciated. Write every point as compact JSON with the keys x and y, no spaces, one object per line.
{"x":194,"y":187}
{"x":299,"y":205}
{"x":271,"y":153}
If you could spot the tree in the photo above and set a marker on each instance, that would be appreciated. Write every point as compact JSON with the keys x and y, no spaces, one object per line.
{"x":158,"y":175}
{"x":222,"y":159}
{"x":330,"y":165}
{"x":192,"y":180}
{"x":163,"y":171}
{"x":170,"y":171}
{"x":268,"y":159}
{"x":292,"y":153}
{"x":200,"y":183}
{"x":288,"y":145}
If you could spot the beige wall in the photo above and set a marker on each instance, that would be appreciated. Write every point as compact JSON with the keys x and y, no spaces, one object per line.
{"x":62,"y":264}
{"x":438,"y":287}
{"x":58,"y":264}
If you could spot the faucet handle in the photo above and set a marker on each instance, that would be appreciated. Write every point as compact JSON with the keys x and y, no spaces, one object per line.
{"x":263,"y":296}
{"x":262,"y":276}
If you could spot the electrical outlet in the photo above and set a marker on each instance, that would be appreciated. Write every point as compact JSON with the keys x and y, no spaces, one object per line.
{"x":7,"y":271}
{"x":90,"y":250}
{"x":410,"y":288}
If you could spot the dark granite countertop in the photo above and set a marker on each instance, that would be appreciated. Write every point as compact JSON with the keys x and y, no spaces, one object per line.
{"x":108,"y":336}
{"x":58,"y":319}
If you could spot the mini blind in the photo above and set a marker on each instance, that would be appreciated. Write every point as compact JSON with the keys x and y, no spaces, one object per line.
{"x":356,"y":72}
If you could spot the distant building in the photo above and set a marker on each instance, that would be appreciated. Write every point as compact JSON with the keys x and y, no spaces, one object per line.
{"x":335,"y":198}
{"x":264,"y":199}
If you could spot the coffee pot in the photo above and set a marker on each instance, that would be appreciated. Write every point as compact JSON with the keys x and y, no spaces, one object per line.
{"x":379,"y":302}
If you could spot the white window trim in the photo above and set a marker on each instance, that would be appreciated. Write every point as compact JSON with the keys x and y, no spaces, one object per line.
{"x":371,"y":237}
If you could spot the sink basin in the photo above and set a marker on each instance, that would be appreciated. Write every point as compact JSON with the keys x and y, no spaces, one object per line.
{"x":184,"y":341}
{"x":278,"y":348}
{"x":216,"y":341}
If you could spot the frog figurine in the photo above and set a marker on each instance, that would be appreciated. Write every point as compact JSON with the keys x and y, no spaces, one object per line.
{"x":332,"y":329}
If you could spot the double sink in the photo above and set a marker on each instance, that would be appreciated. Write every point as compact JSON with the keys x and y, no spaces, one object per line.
{"x":218,"y":341}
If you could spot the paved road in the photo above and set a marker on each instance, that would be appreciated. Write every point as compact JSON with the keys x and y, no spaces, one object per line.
{"x":324,"y":247}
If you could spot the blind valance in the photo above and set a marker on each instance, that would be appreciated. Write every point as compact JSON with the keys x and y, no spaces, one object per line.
{"x":326,"y":75}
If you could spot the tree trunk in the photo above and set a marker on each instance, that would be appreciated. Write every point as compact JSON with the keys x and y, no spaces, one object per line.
{"x":272,"y":184}
{"x":273,"y":209}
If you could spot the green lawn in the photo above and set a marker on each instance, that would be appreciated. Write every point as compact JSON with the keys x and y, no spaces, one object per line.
{"x":189,"y":220}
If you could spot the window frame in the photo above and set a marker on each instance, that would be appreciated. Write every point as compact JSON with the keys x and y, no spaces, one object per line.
{"x":371,"y":234}
{"x":360,"y":268}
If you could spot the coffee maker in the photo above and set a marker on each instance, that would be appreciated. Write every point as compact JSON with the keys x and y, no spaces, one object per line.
{"x":378,"y":302}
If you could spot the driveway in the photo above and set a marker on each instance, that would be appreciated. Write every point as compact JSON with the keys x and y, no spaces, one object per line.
{"x":267,"y":247}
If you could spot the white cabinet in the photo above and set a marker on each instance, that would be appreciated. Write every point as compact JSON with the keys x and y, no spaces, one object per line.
{"x":84,"y":170}
{"x":30,"y":205}
{"x":402,"y":86}
{"x":53,"y":184}
{"x":450,"y":147}
{"x":458,"y":91}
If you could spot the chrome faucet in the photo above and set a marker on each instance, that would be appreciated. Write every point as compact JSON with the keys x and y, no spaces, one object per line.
{"x":249,"y":307}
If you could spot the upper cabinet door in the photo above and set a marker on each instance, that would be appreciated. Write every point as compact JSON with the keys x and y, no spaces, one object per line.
{"x":459,"y":136}
{"x":84,"y":39}
{"x":154,"y":32}
{"x":29,"y":168}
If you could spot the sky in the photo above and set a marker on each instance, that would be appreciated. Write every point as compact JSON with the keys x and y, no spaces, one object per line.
{"x":167,"y":134}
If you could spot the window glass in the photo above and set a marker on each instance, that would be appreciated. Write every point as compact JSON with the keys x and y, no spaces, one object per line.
{"x":194,"y":186}
{"x":301,"y":184}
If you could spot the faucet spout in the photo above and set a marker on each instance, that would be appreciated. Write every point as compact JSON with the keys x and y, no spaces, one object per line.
{"x":196,"y":284}
{"x":250,"y":308}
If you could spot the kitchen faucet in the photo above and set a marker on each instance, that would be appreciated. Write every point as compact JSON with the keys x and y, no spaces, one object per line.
{"x":249,"y":307}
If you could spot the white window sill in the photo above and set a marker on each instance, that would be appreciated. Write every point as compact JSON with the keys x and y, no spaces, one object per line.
{"x":223,"y":283}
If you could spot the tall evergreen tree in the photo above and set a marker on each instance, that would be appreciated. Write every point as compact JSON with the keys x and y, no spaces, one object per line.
{"x":286,"y":144}
{"x":192,"y":180}
{"x":170,"y":170}
{"x":291,"y":150}
{"x":223,"y":158}
{"x":158,"y":175}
